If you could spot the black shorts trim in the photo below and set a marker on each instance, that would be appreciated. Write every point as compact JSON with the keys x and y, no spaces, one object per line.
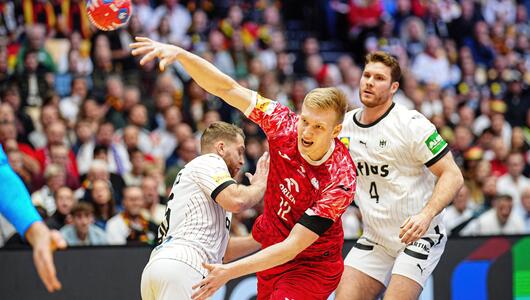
{"x":437,"y":157}
{"x":415,"y":254}
{"x":428,"y":240}
{"x":363,"y":247}
{"x":221,"y":187}
{"x":317,"y":224}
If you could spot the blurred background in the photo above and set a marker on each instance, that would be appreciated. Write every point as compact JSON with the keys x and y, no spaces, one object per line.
{"x":98,"y":139}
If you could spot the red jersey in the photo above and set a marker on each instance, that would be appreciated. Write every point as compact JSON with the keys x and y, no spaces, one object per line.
{"x":296,"y":187}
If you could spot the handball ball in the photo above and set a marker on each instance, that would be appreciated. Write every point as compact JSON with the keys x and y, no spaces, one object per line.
{"x":109,"y":14}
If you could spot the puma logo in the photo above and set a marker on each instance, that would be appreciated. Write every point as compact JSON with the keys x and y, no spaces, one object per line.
{"x":364,"y":143}
{"x":418,"y":265}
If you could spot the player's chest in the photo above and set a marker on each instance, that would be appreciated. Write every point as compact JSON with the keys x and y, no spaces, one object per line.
{"x":374,"y":146}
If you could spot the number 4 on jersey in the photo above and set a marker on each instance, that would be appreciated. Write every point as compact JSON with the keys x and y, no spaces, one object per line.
{"x":373,"y":192}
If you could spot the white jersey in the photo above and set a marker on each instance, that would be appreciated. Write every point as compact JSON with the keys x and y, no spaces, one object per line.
{"x":392,"y":156}
{"x":196,"y":228}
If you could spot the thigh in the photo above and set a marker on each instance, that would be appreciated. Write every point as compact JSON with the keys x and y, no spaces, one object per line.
{"x":418,"y":260}
{"x":356,"y":285}
{"x":370,"y":259}
{"x":402,"y":288}
{"x":165,"y":279}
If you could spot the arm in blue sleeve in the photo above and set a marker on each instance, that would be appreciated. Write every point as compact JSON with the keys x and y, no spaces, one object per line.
{"x":15,"y":202}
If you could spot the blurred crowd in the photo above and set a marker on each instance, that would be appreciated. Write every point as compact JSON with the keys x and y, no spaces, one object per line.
{"x":98,"y":139}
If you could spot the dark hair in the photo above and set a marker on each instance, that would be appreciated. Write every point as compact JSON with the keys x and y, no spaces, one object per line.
{"x":387,"y":60}
{"x":100,"y":149}
{"x":82,"y":207}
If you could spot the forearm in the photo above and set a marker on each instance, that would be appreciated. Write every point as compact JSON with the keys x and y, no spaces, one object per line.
{"x":239,"y":247}
{"x":449,"y":183}
{"x":36,"y":232}
{"x":267,"y":258}
{"x":210,"y":78}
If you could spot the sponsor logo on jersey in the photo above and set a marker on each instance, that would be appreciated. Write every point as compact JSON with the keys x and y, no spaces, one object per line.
{"x":435,"y":143}
{"x":365,"y":169}
{"x":291,"y":185}
{"x":221,"y":177}
{"x":346,"y":141}
{"x":265,"y":105}
{"x":283,"y":155}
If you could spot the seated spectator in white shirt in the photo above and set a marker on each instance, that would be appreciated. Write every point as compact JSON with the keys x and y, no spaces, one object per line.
{"x":83,"y":232}
{"x":498,"y":220}
{"x":460,"y":210}
{"x":514,"y":182}
{"x":129,"y":226}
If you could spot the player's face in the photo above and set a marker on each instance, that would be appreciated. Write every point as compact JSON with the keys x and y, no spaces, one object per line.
{"x":234,"y":155}
{"x":376,"y":87}
{"x":316,"y":129}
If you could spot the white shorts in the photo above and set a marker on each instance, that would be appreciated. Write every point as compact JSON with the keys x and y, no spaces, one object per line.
{"x":168,"y":279}
{"x":416,"y":261}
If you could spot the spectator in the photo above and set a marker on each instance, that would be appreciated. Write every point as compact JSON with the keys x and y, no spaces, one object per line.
{"x":179,"y":18}
{"x":514,"y":182}
{"x":496,"y":221}
{"x":154,"y":211}
{"x":525,"y":199}
{"x":459,"y":212}
{"x":55,"y":177}
{"x":83,"y":232}
{"x":103,"y":202}
{"x":129,"y":226}
{"x":64,"y":201}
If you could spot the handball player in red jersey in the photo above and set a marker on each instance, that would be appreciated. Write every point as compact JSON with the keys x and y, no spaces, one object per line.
{"x":311,"y":182}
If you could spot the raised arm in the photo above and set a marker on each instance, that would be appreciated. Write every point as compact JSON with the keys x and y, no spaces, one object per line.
{"x":238,"y":197}
{"x":204,"y":73}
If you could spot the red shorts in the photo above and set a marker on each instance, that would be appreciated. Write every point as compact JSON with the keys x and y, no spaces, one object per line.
{"x":300,"y":280}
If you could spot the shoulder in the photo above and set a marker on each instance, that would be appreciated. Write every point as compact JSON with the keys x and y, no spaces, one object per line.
{"x":348,"y":117}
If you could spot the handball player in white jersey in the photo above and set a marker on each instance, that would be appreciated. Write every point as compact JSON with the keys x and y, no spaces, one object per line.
{"x":406,"y":177}
{"x":201,"y":202}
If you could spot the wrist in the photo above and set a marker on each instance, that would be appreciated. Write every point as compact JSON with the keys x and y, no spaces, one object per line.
{"x":428,"y":212}
{"x":36,"y":232}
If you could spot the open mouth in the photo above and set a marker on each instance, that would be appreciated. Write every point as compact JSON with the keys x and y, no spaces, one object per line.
{"x":366,"y":92}
{"x":306,"y":143}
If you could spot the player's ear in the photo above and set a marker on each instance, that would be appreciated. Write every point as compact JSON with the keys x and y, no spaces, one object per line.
{"x":394,"y":87}
{"x":337,"y":130}
{"x":220,"y":148}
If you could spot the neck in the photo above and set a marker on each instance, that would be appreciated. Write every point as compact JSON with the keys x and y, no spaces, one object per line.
{"x":82,"y":235}
{"x":371,"y":114}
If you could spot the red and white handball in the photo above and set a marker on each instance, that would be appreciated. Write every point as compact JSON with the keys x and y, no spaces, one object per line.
{"x":109,"y":14}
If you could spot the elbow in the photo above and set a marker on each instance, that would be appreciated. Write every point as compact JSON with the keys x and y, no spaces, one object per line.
{"x":237,"y":206}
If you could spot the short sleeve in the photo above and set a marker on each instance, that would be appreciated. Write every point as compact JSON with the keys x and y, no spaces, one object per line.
{"x":271,"y":116}
{"x":212,"y":175}
{"x":334,"y":200}
{"x":428,"y":146}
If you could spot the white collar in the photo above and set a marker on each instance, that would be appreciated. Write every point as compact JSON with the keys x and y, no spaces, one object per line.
{"x":323,"y":159}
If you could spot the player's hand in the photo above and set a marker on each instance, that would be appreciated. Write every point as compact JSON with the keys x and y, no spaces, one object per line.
{"x":44,"y":243}
{"x":218,"y":276}
{"x":151,"y":49}
{"x":262,"y":170}
{"x":414,"y":228}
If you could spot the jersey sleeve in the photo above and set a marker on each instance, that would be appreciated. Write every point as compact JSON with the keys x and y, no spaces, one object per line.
{"x":212,"y":175}
{"x":428,"y":146}
{"x":271,"y":116}
{"x":333,"y":202}
{"x":15,"y":202}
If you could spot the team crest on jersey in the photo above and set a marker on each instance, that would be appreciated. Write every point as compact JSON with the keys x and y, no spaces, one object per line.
{"x":346,"y":141}
{"x":265,"y":105}
{"x":314,"y":182}
{"x":221,"y":177}
{"x":435,"y":142}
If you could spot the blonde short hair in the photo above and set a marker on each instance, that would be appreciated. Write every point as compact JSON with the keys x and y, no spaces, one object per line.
{"x":328,"y":99}
{"x":220,"y":131}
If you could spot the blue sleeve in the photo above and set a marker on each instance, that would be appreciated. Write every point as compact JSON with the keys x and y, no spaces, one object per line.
{"x":15,"y":202}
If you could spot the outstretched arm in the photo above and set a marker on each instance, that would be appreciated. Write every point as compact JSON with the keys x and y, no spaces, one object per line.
{"x":204,"y":73}
{"x":299,"y":238}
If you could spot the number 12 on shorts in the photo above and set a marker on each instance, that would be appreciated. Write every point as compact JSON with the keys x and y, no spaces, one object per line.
{"x":373,"y":192}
